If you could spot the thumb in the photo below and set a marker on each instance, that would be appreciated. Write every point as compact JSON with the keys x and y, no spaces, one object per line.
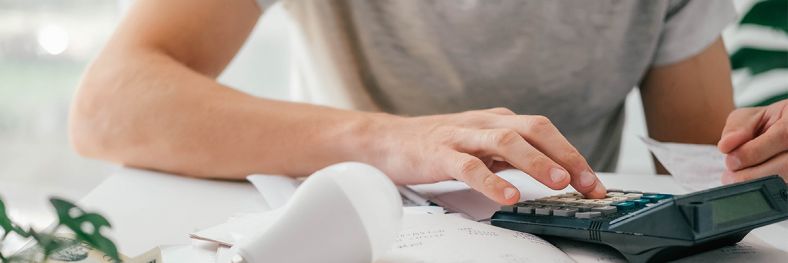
{"x":742,"y":126}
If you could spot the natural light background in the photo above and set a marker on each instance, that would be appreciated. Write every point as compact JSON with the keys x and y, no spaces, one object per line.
{"x":46,"y":44}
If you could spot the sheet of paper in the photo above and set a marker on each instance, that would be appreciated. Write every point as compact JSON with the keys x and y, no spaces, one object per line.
{"x":276,"y":189}
{"x":694,"y":166}
{"x":751,"y":249}
{"x":197,"y":252}
{"x":774,"y":235}
{"x":187,"y":254}
{"x":450,"y":238}
{"x":239,"y":226}
{"x":584,"y":252}
{"x":224,"y":255}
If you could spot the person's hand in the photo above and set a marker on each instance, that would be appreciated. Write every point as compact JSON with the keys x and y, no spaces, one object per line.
{"x":470,"y":146}
{"x":756,"y":141}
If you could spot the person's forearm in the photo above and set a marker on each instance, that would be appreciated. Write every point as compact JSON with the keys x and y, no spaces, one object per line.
{"x":688,"y":101}
{"x":176,"y":120}
{"x":144,"y":109}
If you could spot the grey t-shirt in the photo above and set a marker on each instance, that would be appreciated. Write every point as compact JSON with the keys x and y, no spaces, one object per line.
{"x":572,"y":61}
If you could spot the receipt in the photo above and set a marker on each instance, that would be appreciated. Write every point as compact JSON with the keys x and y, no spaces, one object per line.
{"x":451,"y":238}
{"x":694,"y":166}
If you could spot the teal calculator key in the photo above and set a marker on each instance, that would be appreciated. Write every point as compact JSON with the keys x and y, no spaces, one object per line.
{"x":625,"y":205}
{"x":641,"y":202}
{"x":655,"y":197}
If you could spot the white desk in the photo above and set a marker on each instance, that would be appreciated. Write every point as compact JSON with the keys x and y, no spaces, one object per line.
{"x":149,"y":209}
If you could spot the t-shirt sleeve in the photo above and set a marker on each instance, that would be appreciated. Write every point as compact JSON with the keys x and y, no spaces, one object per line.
{"x":690,"y":27}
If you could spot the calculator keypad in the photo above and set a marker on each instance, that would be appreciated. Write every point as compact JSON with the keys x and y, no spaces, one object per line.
{"x":573,"y":205}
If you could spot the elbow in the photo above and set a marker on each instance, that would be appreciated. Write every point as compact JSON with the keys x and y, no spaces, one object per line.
{"x":85,"y":135}
{"x":92,"y":118}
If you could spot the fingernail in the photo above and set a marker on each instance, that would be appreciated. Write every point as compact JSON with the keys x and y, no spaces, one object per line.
{"x":558,"y":175}
{"x":587,"y":179}
{"x":509,"y":193}
{"x":733,"y":162}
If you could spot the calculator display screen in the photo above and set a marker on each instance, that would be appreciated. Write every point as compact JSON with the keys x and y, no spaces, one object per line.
{"x":732,"y":208}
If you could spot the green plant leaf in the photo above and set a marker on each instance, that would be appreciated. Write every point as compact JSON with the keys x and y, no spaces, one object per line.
{"x":86,"y":226}
{"x":758,"y":60}
{"x":769,"y":13}
{"x":7,"y":225}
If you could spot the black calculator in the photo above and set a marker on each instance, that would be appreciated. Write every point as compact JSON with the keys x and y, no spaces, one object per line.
{"x":654,"y":227}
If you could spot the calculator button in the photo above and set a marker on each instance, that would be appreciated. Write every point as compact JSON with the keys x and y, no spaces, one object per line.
{"x":543,"y":211}
{"x":525,"y":210}
{"x":586,"y":201}
{"x":588,"y":214}
{"x":655,"y":197}
{"x":625,"y":205}
{"x":602,"y":202}
{"x":567,"y":212}
{"x":584,"y":207}
{"x":508,"y":208}
{"x":633,"y":196}
{"x":605,"y":210}
{"x":618,"y":198}
{"x":641,"y":202}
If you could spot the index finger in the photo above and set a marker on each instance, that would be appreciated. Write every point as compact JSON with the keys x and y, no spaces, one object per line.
{"x":474,"y":172}
{"x":544,"y":136}
{"x":509,"y":146}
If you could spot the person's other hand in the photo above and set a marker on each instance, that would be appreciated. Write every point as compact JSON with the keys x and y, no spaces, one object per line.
{"x":471,"y":146}
{"x":756,"y":141}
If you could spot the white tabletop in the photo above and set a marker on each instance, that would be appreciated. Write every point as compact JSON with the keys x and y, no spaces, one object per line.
{"x":149,"y":209}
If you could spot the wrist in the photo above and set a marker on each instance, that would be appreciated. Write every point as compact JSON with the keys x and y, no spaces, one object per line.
{"x":366,"y":139}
